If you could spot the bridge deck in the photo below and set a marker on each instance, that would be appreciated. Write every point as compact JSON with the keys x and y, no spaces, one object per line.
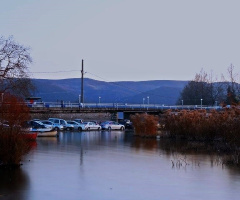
{"x":54,"y":107}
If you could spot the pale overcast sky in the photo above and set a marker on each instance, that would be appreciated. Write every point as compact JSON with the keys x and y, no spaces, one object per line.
{"x":125,"y":39}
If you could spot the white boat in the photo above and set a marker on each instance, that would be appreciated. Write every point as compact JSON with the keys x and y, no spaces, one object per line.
{"x":44,"y":132}
{"x":52,"y":133}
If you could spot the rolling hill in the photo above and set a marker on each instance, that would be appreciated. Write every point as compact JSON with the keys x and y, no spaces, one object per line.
{"x":158,"y":91}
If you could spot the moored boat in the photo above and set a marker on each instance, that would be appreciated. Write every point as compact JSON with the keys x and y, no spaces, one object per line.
{"x":52,"y":133}
{"x":42,"y":130}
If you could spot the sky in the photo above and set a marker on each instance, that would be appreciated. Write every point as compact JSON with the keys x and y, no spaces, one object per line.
{"x":125,"y":40}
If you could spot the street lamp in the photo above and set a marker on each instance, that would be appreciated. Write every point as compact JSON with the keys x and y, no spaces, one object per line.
{"x":148,"y":100}
{"x":201,"y":103}
{"x":99,"y":100}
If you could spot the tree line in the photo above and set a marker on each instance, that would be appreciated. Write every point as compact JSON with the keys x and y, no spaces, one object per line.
{"x":206,"y":89}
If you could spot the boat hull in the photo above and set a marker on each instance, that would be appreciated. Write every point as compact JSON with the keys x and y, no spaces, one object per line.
{"x":47,"y":134}
{"x":30,"y":135}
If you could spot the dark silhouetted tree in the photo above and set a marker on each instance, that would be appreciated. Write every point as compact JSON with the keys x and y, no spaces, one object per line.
{"x":202,"y":87}
{"x":14,"y":61}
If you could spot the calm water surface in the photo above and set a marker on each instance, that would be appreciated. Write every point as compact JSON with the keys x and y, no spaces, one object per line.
{"x":116,"y":166}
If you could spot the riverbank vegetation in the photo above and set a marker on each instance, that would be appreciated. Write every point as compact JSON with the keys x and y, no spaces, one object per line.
{"x":13,"y":144}
{"x":221,"y":129}
{"x":202,"y":125}
{"x":14,"y":86}
{"x":145,"y":125}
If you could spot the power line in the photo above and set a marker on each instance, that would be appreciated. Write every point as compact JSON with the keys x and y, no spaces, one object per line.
{"x":114,"y":83}
{"x":55,"y":72}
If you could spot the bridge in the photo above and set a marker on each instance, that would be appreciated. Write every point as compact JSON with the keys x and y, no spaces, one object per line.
{"x":56,"y":107}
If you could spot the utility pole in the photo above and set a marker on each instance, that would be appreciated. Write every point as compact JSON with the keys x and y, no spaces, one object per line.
{"x":82,"y":84}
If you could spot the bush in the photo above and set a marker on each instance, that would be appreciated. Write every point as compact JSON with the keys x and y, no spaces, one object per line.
{"x":202,"y":125}
{"x":13,"y":145}
{"x":144,"y":124}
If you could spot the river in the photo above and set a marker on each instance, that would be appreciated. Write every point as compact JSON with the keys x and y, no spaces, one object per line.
{"x":117,"y":166}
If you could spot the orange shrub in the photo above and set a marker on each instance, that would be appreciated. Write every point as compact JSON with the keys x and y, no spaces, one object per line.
{"x":12,"y":143}
{"x":200,"y":125}
{"x":12,"y":147}
{"x":14,"y":110}
{"x":145,"y":124}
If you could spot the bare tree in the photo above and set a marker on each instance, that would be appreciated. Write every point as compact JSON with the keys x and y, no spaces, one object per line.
{"x":233,"y":90}
{"x":202,"y":89}
{"x":14,"y":61}
{"x":232,"y":75}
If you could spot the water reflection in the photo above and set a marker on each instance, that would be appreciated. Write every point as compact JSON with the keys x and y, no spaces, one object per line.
{"x":117,"y":165}
{"x":140,"y":143}
{"x":13,"y":182}
{"x":89,"y":138}
{"x":180,"y":153}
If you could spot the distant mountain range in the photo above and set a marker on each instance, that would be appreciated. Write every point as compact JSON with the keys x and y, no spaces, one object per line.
{"x":159,"y":91}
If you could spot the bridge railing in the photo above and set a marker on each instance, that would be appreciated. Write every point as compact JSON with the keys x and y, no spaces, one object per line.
{"x":117,"y":106}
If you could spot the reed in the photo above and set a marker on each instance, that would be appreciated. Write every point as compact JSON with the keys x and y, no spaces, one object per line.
{"x":202,"y":125}
{"x":145,"y":125}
